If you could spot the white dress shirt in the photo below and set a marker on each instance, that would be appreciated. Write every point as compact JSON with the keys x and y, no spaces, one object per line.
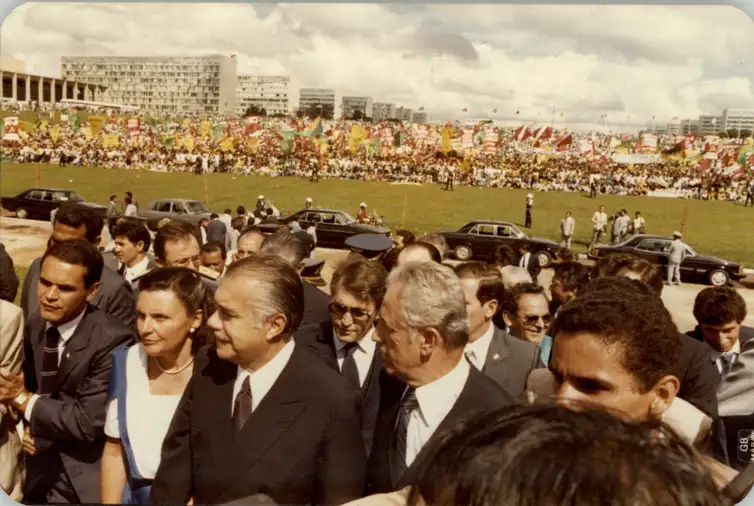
{"x":362,"y":355}
{"x":130,"y":210}
{"x":66,"y":332}
{"x":131,"y":273}
{"x":736,"y":351}
{"x":524,"y":260}
{"x":435,"y":399}
{"x":263,"y":379}
{"x":477,"y":351}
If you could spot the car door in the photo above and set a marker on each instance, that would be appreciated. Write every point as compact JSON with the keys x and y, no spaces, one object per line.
{"x":33,"y":204}
{"x":484,"y":240}
{"x":329,"y":232}
{"x":48,"y":203}
{"x":653,"y":250}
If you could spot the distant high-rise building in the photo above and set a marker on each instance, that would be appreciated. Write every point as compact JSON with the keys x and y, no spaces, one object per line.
{"x":382,"y":111}
{"x":317,"y":100}
{"x":361,"y":104}
{"x":404,"y":114}
{"x":420,"y":117}
{"x":183,"y":85}
{"x":710,"y":124}
{"x":264,"y":92}
{"x":689,"y":126}
{"x":738,"y":120}
{"x":673,"y":128}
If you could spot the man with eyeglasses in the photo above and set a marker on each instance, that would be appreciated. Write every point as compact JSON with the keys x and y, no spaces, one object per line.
{"x":344,"y":341}
{"x":526,"y":312}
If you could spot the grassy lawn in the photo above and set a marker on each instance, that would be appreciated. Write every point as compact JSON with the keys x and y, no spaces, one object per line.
{"x":21,"y":273}
{"x":717,"y":228}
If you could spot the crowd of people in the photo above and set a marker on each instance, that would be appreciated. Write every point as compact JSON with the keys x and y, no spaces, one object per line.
{"x":479,"y":155}
{"x":163,"y":368}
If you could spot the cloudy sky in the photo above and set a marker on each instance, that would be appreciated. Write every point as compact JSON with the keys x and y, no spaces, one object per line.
{"x":629,"y":63}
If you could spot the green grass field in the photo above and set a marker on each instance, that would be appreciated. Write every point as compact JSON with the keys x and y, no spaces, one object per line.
{"x":718,"y":228}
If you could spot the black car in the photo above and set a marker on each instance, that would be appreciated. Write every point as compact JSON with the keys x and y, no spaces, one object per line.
{"x":481,"y":239}
{"x":38,"y":203}
{"x":333,"y":227}
{"x":715,"y":271}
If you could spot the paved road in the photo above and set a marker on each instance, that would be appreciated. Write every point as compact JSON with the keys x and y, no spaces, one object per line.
{"x":26,"y":239}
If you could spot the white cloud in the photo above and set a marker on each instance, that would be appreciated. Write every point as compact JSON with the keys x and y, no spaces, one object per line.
{"x":623,"y":61}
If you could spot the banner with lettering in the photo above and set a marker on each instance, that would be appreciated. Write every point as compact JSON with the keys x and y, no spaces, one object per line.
{"x":10,"y":129}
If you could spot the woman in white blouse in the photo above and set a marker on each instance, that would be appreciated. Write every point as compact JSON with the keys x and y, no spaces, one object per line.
{"x":148,"y":380}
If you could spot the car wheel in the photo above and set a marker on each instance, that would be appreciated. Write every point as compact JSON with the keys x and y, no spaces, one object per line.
{"x":22,"y":213}
{"x":545,"y":259}
{"x":463,"y":253}
{"x":718,"y":277}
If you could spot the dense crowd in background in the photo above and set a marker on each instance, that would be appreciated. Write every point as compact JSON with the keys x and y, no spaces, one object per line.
{"x":540,"y":158}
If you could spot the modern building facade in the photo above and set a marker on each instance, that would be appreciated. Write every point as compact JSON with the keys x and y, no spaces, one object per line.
{"x":738,"y":120}
{"x":673,"y":128}
{"x":317,"y":98}
{"x":357,"y":105}
{"x":382,"y":111}
{"x":689,"y":126}
{"x":420,"y":117}
{"x":176,"y":85}
{"x":404,"y":114}
{"x":265,"y":92}
{"x":710,"y":124}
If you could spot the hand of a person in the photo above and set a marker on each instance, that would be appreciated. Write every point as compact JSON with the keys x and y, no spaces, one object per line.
{"x":28,"y":442}
{"x":11,"y":385}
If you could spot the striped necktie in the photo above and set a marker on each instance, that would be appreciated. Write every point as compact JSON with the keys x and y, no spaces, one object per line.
{"x":49,"y":383}
{"x":400,"y":436}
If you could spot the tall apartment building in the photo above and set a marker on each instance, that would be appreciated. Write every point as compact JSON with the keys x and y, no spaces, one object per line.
{"x":420,"y":117}
{"x":710,"y":124}
{"x":315,"y":97}
{"x":689,"y":126}
{"x":404,"y":114}
{"x":673,"y":128}
{"x":361,"y":104}
{"x":382,"y":111}
{"x":738,"y":119}
{"x":176,"y":85}
{"x":265,"y":92}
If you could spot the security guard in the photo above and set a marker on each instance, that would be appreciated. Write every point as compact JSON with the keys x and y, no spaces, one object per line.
{"x":371,"y":246}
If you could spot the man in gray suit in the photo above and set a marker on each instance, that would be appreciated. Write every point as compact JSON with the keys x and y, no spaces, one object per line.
{"x":216,"y":230}
{"x":502,"y":357}
{"x":676,"y":255}
{"x":115,"y":297}
{"x":62,"y":392}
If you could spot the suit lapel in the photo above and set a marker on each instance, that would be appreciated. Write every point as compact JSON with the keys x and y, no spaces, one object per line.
{"x":279,"y":409}
{"x":75,"y":345}
{"x":326,"y":346}
{"x":494,"y":364}
{"x":217,"y":404}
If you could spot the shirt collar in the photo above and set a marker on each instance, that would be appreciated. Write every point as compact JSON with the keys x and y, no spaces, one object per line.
{"x":434,"y":397}
{"x":140,"y":266}
{"x":365,"y":344}
{"x":481,"y":346}
{"x":67,"y":329}
{"x":263,"y":378}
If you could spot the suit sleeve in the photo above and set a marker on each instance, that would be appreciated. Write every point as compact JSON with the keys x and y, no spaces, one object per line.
{"x":735,"y":396}
{"x":173,"y":482}
{"x":11,"y":342}
{"x":342,"y":462}
{"x":121,"y":304}
{"x":8,"y":277}
{"x":82,"y":418}
{"x":699,"y":383}
{"x":25,"y":291}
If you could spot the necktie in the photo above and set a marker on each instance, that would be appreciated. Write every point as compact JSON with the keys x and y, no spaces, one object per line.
{"x":242,"y":407}
{"x":349,"y":370}
{"x":471,"y":356}
{"x":400,"y":437}
{"x":49,"y":383}
{"x":726,"y":361}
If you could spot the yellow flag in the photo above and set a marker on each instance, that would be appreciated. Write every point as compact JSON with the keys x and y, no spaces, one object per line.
{"x":358,"y":135}
{"x":43,"y":126}
{"x":227,"y":144}
{"x":186,"y":123}
{"x":252,"y":145}
{"x":96,"y":123}
{"x":447,"y":134}
{"x":110,"y":140}
{"x":86,"y":132}
{"x":55,"y":133}
{"x":205,"y":128}
{"x":26,"y":126}
{"x":188,"y":142}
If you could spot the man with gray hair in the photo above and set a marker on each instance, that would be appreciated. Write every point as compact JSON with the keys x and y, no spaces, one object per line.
{"x":260,"y":414}
{"x":438,"y":241}
{"x":427,"y":385}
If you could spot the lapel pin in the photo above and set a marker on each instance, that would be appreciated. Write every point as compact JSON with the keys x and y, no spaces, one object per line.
{"x":496,"y":356}
{"x":68,"y":354}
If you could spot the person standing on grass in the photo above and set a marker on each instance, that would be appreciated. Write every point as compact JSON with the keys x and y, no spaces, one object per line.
{"x":567,"y":227}
{"x":112,"y":209}
{"x":599,"y":223}
{"x":639,"y":223}
{"x":529,"y":205}
{"x":676,"y":255}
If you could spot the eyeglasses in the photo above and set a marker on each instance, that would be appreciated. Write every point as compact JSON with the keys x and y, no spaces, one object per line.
{"x":532,"y":319}
{"x":339,"y":311}
{"x":185,"y":262}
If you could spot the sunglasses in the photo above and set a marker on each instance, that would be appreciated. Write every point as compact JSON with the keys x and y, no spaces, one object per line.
{"x":339,"y":310}
{"x":532,"y":319}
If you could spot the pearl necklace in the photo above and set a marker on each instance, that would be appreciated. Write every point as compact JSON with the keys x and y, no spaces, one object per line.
{"x":183,"y":368}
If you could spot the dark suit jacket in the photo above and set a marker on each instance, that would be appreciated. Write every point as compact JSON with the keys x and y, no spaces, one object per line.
{"x":8,"y":279}
{"x":479,"y":395}
{"x":71,"y":422}
{"x":318,"y":340}
{"x":216,"y":231}
{"x":698,"y":375}
{"x":316,"y":305}
{"x":302,"y":444}
{"x":533,"y":266}
{"x":114,"y":297}
{"x":509,"y":362}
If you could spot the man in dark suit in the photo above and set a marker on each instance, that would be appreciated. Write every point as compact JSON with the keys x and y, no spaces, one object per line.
{"x":132,"y":241}
{"x":63,"y":390}
{"x":344,"y":341}
{"x":427,"y":386}
{"x":114,"y":296}
{"x":503,"y":358}
{"x":216,"y":230}
{"x":293,"y":250}
{"x":260,"y":414}
{"x":529,"y":260}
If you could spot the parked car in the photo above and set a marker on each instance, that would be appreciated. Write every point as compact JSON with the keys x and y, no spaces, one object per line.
{"x":715,"y":271}
{"x":480,"y":240}
{"x":191,"y":211}
{"x":38,"y":203}
{"x":333,"y":228}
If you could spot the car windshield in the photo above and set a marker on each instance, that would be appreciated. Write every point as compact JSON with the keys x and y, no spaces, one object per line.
{"x":690,"y":251}
{"x":68,"y":196}
{"x":349,"y":219}
{"x":196,"y":207}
